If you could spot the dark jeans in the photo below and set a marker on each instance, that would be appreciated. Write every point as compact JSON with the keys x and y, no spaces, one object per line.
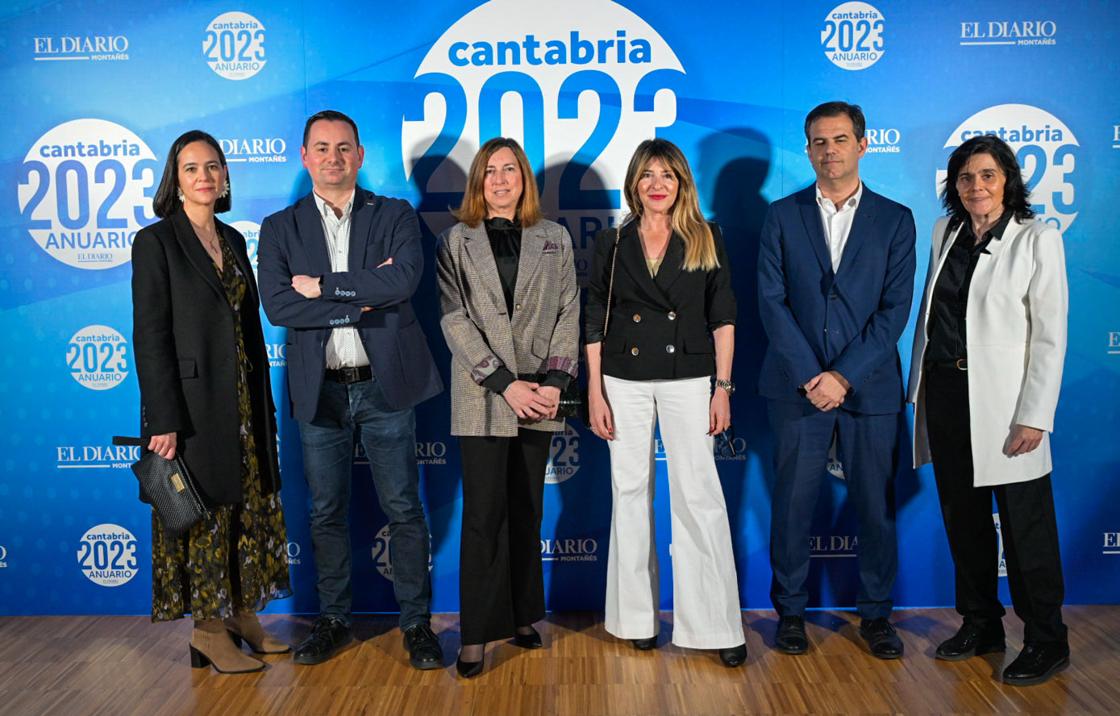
{"x":1026,"y":515}
{"x":501,"y":585}
{"x":389,"y":439}
{"x":867,"y":447}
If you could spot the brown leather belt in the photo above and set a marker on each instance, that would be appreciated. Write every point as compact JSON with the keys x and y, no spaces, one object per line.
{"x":348,"y":375}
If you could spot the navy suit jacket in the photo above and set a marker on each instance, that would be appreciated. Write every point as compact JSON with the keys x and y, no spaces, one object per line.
{"x":292,"y":242}
{"x":849,"y":320}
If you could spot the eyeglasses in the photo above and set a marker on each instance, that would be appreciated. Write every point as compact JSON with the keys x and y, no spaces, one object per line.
{"x":725,"y":443}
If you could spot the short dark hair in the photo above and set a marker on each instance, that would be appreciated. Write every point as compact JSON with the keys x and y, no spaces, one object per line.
{"x":1016,"y":196}
{"x":166,"y":201}
{"x":330,"y":115}
{"x":835,"y":109}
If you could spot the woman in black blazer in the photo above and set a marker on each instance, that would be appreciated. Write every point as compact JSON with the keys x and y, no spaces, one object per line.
{"x":660,"y":324}
{"x":205,"y":394}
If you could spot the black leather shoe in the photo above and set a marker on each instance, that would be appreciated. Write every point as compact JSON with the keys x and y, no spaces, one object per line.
{"x":328,"y":636}
{"x":972,"y":639}
{"x":881,"y":638}
{"x":532,"y":640}
{"x":644,"y":644}
{"x":469,"y":669}
{"x":423,"y":647}
{"x":735,"y":656}
{"x":790,"y":638}
{"x":1036,"y":663}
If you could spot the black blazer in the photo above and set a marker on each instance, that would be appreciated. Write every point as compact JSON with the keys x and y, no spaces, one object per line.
{"x":186,"y":357}
{"x":660,"y":327}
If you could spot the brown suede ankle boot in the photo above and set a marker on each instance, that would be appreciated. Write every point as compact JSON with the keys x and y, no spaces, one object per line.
{"x":246,"y":626}
{"x":212,"y":645}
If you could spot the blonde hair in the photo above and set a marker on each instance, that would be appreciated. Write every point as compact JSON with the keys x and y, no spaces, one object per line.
{"x":685,"y":215}
{"x":473,"y":209}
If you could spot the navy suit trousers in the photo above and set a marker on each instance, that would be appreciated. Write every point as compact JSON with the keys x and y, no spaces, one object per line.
{"x":868,"y":451}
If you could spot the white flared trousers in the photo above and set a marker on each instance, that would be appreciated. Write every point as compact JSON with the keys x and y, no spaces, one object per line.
{"x":705,"y":586}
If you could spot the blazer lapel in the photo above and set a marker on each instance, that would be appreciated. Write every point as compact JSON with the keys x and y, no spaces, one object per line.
{"x":310,"y":225}
{"x":361,"y":219}
{"x":633,"y":260}
{"x":192,"y":247}
{"x":533,"y":241}
{"x":863,"y":224}
{"x":811,"y":217}
{"x":484,"y":269}
{"x":672,"y":264}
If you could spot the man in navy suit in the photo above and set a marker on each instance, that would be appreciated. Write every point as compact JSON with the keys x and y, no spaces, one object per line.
{"x":338,"y":269}
{"x":835,"y":282}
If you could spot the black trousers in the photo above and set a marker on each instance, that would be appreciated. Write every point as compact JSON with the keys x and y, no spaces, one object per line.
{"x":1026,"y":515}
{"x":501,"y":585}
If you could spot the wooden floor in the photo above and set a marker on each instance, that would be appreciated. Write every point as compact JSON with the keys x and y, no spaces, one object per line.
{"x":126,"y":665}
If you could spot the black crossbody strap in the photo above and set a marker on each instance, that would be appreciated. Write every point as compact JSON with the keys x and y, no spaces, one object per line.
{"x":610,"y":284}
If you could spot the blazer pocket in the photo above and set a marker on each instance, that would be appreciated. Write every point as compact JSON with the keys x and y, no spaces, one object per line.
{"x":540,"y":348}
{"x":699,"y":345}
{"x":188,"y":368}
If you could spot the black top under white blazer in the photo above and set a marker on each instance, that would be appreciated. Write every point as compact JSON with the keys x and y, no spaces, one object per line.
{"x":660,"y":327}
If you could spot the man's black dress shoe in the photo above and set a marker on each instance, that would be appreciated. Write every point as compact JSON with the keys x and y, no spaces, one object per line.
{"x":1036,"y":663}
{"x":644,"y":644}
{"x":972,"y":639}
{"x":423,"y":647}
{"x":469,"y":669}
{"x":532,"y":640}
{"x":881,"y":638}
{"x":328,"y":636}
{"x":790,"y":638}
{"x":735,"y":656}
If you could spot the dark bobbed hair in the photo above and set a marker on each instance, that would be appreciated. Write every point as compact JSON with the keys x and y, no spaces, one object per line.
{"x":330,"y":115}
{"x":1016,"y":196}
{"x":166,"y":201}
{"x":473,"y":209}
{"x":835,"y":109}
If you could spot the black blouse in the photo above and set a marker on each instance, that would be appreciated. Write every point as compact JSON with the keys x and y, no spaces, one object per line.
{"x":505,"y":244}
{"x":948,"y":339}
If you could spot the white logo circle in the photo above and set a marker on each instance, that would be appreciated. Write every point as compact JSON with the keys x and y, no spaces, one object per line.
{"x":251,"y":230}
{"x":107,"y":555}
{"x":98,"y":357}
{"x":85,"y":189}
{"x":563,"y":460}
{"x":852,"y":36}
{"x":234,"y":45}
{"x":3,"y":554}
{"x":380,"y":555}
{"x":1046,"y":150}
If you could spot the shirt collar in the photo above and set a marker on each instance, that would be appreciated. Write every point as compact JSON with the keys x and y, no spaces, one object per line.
{"x":325,"y":209}
{"x":826,"y":203}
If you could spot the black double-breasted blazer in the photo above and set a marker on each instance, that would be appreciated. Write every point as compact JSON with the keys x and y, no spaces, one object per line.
{"x":660,"y":327}
{"x":186,"y":357}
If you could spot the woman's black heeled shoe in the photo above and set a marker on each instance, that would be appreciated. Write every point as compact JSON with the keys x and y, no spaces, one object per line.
{"x":469,"y":669}
{"x":532,"y":640}
{"x":735,"y":656}
{"x":644,"y":644}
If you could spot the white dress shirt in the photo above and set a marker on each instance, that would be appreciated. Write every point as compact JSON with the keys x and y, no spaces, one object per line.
{"x":837,"y":222}
{"x":344,"y":349}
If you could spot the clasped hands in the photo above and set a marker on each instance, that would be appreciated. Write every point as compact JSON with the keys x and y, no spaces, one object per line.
{"x":827,"y":390}
{"x":532,"y":401}
{"x":310,"y":287}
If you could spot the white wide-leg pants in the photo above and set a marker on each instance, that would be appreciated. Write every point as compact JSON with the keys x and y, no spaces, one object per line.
{"x":705,"y":586}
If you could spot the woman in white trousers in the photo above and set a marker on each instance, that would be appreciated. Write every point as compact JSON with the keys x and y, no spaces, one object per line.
{"x":660,"y":324}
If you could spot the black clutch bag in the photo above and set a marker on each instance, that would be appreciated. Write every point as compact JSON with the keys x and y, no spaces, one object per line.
{"x":167,"y":486}
{"x":573,"y":402}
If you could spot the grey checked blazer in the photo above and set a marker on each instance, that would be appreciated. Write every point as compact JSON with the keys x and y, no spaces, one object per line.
{"x":542,"y":334}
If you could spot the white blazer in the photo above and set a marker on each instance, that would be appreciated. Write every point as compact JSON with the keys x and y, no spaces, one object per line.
{"x":1016,"y":338}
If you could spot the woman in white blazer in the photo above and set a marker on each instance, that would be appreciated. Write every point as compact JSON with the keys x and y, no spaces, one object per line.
{"x":984,"y":380}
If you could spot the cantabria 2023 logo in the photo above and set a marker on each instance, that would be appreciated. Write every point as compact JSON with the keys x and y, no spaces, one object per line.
{"x":579,"y":83}
{"x":85,"y":189}
{"x":1047,"y":153}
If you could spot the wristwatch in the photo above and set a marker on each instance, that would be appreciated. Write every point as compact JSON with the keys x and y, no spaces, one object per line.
{"x":726,"y":385}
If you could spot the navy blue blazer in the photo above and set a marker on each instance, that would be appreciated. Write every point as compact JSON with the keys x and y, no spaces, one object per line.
{"x":848,"y":321}
{"x":292,"y":242}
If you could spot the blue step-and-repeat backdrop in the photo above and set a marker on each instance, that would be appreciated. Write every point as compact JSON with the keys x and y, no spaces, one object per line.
{"x":96,"y":92}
